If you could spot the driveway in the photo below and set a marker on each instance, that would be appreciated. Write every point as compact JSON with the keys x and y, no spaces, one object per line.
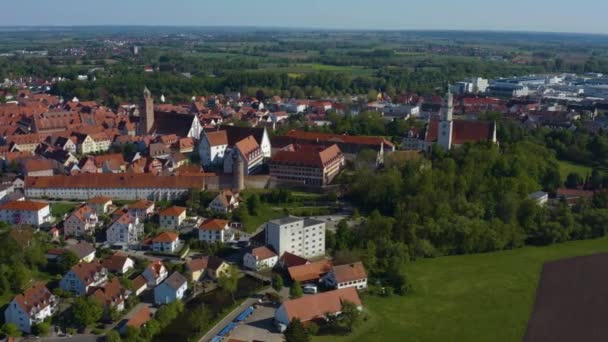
{"x":259,"y":326}
{"x":226,"y":320}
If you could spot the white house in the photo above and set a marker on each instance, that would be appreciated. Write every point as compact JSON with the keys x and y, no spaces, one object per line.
{"x":351,"y":275}
{"x":32,"y":307}
{"x":25,"y":212}
{"x":141,"y":209}
{"x":83,"y":276}
{"x":81,"y":221}
{"x":166,"y":242}
{"x":225,"y":202}
{"x":212,"y":147}
{"x":155,"y":273}
{"x":215,"y":230}
{"x":172,"y":217}
{"x":260,"y":258}
{"x":118,"y":263}
{"x":125,"y":230}
{"x":171,"y":290}
{"x":540,"y":197}
{"x":100,"y":204}
{"x":247,"y":150}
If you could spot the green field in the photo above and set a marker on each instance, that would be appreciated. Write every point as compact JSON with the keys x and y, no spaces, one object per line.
{"x":58,"y":209}
{"x":482,"y":297}
{"x":566,"y":168}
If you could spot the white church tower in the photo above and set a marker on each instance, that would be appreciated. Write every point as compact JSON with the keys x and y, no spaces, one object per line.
{"x":446,"y":124}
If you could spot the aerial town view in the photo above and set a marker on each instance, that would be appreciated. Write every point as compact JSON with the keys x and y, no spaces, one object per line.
{"x":314,"y":171}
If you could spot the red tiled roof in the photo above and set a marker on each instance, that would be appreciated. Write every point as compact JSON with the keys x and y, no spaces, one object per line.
{"x":337,"y":138}
{"x":350,"y":272}
{"x":111,"y":294}
{"x":139,"y":282}
{"x":24,"y":206}
{"x":309,"y":272}
{"x":173,"y":211}
{"x":311,"y":307}
{"x":574,"y":193}
{"x":206,"y":262}
{"x":36,"y":297}
{"x":263,"y":253}
{"x":463,"y":131}
{"x":217,"y":138}
{"x":100,"y":200}
{"x":141,"y":317}
{"x":86,"y":271}
{"x":290,"y":260}
{"x":214,"y":224}
{"x":115,"y":262}
{"x":307,"y":155}
{"x":166,"y":237}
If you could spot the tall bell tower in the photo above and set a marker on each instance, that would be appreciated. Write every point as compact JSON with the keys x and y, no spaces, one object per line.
{"x":446,"y":125}
{"x":146,"y":114}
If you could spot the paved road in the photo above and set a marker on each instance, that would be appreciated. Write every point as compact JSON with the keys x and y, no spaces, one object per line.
{"x":229,"y":318}
{"x":75,"y":338}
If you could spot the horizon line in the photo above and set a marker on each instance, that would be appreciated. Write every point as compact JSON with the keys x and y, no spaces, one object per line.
{"x":305,"y":28}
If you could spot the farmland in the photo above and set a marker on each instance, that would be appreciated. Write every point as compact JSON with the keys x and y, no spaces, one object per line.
{"x":466,"y":298}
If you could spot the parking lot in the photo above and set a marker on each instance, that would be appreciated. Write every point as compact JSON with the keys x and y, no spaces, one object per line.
{"x":259,"y":326}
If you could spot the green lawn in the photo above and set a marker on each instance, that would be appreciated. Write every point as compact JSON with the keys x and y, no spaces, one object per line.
{"x":60,"y":208}
{"x":566,"y":168}
{"x":482,"y":297}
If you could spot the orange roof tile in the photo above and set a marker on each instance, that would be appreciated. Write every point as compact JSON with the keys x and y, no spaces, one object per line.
{"x":166,"y":237}
{"x":173,"y":211}
{"x":316,"y":306}
{"x":214,"y":224}
{"x":24,"y":206}
{"x":309,"y":272}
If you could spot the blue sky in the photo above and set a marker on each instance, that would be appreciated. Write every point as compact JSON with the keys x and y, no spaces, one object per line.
{"x":517,"y":15}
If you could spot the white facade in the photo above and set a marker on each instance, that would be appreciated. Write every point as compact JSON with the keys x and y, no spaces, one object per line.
{"x":16,"y":215}
{"x":251,"y":262}
{"x":211,"y":154}
{"x":125,"y":232}
{"x":72,"y":283}
{"x":165,"y":293}
{"x":15,"y":313}
{"x":300,"y":236}
{"x":209,"y":235}
{"x":155,"y":274}
{"x":157,"y":194}
{"x":165,"y":247}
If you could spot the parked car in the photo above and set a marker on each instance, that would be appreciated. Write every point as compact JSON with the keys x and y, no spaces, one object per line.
{"x":310,"y":289}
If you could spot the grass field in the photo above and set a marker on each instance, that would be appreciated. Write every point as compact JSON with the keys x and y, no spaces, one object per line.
{"x":58,"y":209}
{"x":566,"y":168}
{"x":482,"y":297}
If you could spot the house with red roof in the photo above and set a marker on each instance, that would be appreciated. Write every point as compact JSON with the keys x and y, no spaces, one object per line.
{"x":350,"y":275}
{"x":111,"y":295}
{"x":225,"y":202}
{"x":126,"y":230}
{"x":34,"y":306}
{"x":215,"y":230}
{"x":260,"y":258}
{"x":247,"y":150}
{"x":315,"y":307}
{"x":311,"y":165}
{"x":25,"y":212}
{"x":172,"y":217}
{"x":155,"y":273}
{"x":84,"y":277}
{"x":81,"y":221}
{"x":166,"y":242}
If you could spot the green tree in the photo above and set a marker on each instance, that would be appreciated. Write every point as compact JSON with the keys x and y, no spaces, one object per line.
{"x":296,"y":332}
{"x":229,"y":280}
{"x":253,"y":204}
{"x":295,"y":291}
{"x":86,"y":311}
{"x":41,"y":329}
{"x":277,"y":282}
{"x":350,"y":315}
{"x":113,"y":336}
{"x":574,"y":180}
{"x":11,"y":329}
{"x":67,"y":261}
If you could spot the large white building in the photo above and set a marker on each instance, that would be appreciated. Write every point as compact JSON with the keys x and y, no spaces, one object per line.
{"x":116,"y":186}
{"x":212,"y":147}
{"x":125,"y":230}
{"x":300,"y":236}
{"x":25,"y":212}
{"x":32,"y":307}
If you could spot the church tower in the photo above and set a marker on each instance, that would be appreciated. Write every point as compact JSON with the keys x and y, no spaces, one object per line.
{"x":238,"y":171}
{"x":146,"y":114}
{"x":446,"y":125}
